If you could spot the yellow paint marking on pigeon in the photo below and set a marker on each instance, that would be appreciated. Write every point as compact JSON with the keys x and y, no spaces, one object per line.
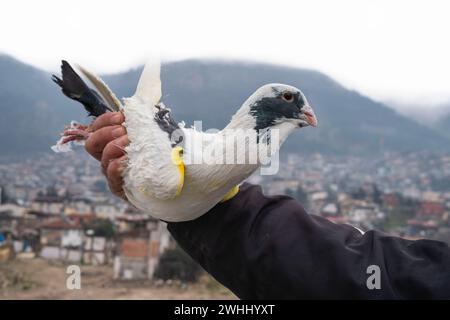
{"x":231,"y":194}
{"x":177,"y":159}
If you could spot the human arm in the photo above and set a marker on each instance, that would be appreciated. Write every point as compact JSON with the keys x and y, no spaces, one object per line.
{"x":270,"y":248}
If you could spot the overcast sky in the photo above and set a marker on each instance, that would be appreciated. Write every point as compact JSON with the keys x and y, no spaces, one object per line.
{"x":390,"y":50}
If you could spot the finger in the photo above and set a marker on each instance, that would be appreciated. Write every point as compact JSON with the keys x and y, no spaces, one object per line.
{"x":114,"y":149}
{"x":107,"y":119}
{"x":114,"y":175}
{"x":100,"y":138}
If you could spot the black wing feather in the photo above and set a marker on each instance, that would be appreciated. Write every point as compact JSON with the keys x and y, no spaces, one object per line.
{"x":75,"y":88}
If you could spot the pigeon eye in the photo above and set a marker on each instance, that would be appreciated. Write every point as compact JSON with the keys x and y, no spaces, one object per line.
{"x":288,"y":97}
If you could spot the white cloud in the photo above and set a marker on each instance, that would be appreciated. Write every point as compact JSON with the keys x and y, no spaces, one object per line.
{"x":389,"y":50}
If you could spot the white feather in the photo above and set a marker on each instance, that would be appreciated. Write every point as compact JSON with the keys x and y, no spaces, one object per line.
{"x":204,"y":185}
{"x":149,"y":87}
{"x":103,"y":89}
{"x":150,"y":169}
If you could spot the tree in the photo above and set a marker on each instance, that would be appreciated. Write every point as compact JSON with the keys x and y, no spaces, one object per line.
{"x":176,"y":264}
{"x":299,"y":194}
{"x":377,"y":195}
{"x":302,"y":196}
{"x":52,"y":192}
{"x":4,"y":198}
{"x":102,"y":228}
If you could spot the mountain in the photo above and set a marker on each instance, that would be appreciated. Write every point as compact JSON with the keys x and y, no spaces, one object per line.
{"x":444,"y":126}
{"x":348,"y":121}
{"x":34,"y":110}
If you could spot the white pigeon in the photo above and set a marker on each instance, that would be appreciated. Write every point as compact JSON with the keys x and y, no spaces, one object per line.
{"x":166,"y":173}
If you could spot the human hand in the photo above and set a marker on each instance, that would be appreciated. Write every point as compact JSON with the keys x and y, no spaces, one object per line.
{"x":106,"y":143}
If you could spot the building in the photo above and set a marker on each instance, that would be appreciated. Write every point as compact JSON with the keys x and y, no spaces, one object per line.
{"x":48,"y":204}
{"x":61,"y":239}
{"x":431,"y":208}
{"x":97,"y":250}
{"x":391,"y":200}
{"x":139,"y":249}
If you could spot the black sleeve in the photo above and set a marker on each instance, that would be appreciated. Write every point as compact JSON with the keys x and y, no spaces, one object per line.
{"x":264,"y":247}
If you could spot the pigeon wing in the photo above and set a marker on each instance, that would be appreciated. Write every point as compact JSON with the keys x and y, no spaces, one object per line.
{"x":108,"y":96}
{"x":155,"y":165}
{"x":75,"y":88}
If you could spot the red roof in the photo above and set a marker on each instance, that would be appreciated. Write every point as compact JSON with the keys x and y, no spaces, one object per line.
{"x":431,"y":208}
{"x":134,"y":248}
{"x":390,"y":200}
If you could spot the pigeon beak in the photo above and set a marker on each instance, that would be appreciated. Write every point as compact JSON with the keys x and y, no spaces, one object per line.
{"x":309,"y":115}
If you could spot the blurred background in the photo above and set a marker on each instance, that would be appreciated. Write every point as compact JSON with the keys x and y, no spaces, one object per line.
{"x":376,"y":73}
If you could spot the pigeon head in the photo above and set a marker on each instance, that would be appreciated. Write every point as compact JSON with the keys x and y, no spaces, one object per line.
{"x":274,"y":104}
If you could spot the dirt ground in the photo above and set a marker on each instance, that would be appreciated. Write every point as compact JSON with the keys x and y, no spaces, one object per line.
{"x":41,"y":279}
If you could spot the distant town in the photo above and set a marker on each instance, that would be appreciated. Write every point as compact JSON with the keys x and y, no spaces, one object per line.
{"x":405,"y":194}
{"x":58,"y":206}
